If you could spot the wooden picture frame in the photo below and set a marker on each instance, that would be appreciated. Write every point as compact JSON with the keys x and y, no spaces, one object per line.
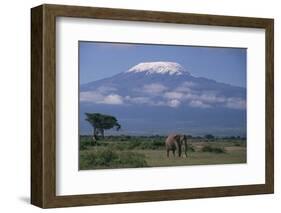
{"x":43,"y":105}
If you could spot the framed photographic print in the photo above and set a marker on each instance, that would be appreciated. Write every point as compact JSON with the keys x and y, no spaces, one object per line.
{"x":136,"y":106}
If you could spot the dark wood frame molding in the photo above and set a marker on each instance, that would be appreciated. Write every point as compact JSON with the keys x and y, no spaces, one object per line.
{"x":43,"y":105}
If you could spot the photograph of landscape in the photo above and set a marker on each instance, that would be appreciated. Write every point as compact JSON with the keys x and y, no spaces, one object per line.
{"x":150,"y":105}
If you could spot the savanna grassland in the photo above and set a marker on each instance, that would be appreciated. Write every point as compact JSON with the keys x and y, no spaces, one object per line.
{"x":149,"y":151}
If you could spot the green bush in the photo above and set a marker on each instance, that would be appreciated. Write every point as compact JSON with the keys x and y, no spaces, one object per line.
{"x":151,"y":144}
{"x":190,"y":148}
{"x":131,"y":159}
{"x":237,"y":144}
{"x":124,"y":142}
{"x":146,"y":145}
{"x":158,"y":143}
{"x":116,"y":146}
{"x":82,"y":146}
{"x":84,"y":142}
{"x":105,"y":157}
{"x":108,"y":158}
{"x":133,"y":144}
{"x":213,"y":149}
{"x":243,"y":144}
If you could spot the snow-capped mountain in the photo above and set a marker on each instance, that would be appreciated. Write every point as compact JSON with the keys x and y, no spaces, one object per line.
{"x":159,"y":67}
{"x":159,"y":97}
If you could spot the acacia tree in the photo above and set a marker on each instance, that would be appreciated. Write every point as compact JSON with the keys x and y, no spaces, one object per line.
{"x":101,"y":122}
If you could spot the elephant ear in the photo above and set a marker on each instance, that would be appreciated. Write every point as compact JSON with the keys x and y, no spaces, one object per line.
{"x":177,"y":137}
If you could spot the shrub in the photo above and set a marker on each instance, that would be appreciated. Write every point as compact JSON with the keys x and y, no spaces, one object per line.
{"x":132,"y":159}
{"x":105,"y":157}
{"x":213,"y":149}
{"x":108,"y":158}
{"x":237,"y":144}
{"x":133,"y":144}
{"x":147,"y":145}
{"x":158,"y":143}
{"x":84,"y":142}
{"x":190,"y":148}
{"x":82,"y":146}
{"x":117,"y":146}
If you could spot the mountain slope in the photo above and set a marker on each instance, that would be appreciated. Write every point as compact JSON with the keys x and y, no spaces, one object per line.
{"x":159,"y":97}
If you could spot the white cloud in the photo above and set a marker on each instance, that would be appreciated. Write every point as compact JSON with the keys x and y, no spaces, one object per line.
{"x":186,"y":86}
{"x":159,"y":95}
{"x":173,"y":103}
{"x":90,"y":96}
{"x":149,"y":101}
{"x":235,"y":103}
{"x":97,"y":97}
{"x":154,"y":88}
{"x":138,"y":100}
{"x":189,"y":84}
{"x":173,"y":95}
{"x":112,"y":99}
{"x":200,"y":104}
{"x":105,"y":89}
{"x":158,"y":103}
{"x":191,"y":96}
{"x":211,"y":98}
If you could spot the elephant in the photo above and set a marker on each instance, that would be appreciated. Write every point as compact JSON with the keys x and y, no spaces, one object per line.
{"x":174,"y":142}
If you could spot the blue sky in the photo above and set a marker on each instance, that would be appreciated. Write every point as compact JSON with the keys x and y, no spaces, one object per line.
{"x":100,"y":60}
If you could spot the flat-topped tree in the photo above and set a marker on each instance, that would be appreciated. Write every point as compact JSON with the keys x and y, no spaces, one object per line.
{"x":101,"y":122}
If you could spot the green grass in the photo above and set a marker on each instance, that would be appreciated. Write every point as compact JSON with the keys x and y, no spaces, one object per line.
{"x":157,"y":158}
{"x":135,"y":152}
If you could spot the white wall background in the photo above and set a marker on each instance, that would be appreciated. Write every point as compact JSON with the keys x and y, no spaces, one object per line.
{"x":15,"y":105}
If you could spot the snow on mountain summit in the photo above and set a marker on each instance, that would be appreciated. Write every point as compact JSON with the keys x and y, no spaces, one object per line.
{"x":159,"y":67}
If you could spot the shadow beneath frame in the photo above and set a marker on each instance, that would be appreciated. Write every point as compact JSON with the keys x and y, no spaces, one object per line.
{"x":24,"y":199}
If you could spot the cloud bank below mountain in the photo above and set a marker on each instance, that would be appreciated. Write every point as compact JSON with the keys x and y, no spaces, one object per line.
{"x":157,"y":94}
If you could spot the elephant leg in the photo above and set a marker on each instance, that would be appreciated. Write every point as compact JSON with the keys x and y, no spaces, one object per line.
{"x":179,"y":153}
{"x":185,"y":149}
{"x":168,"y":151}
{"x":185,"y":153}
{"x":174,"y":153}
